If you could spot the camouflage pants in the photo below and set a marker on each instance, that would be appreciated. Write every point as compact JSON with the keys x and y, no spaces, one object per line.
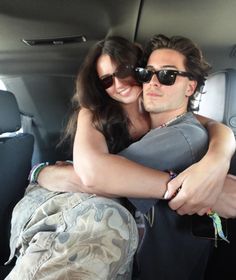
{"x":71,"y":236}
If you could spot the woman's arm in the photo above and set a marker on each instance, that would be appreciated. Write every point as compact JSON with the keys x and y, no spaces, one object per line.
{"x":104,"y":173}
{"x":112,"y":175}
{"x":203,"y":182}
{"x":61,"y":177}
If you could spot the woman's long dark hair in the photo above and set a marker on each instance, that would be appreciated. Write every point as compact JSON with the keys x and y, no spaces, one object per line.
{"x":108,"y":115}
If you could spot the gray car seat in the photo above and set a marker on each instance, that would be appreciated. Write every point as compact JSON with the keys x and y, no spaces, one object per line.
{"x":16,"y":149}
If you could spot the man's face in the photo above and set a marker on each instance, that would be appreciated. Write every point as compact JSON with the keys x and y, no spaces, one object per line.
{"x":161,"y":98}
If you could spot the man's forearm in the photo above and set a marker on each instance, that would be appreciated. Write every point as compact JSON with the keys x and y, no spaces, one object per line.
{"x":222,"y":140}
{"x":225,"y":206}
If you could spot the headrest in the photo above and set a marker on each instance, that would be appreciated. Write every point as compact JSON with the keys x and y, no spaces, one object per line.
{"x":212,"y":102}
{"x":219,"y":100}
{"x":230,"y":101}
{"x":10,"y":120}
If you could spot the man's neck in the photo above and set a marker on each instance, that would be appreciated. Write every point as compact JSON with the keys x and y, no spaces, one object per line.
{"x":162,"y":118}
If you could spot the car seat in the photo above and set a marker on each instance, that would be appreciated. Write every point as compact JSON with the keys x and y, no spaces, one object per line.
{"x":16,"y":149}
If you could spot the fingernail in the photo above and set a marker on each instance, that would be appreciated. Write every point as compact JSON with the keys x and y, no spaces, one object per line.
{"x":166,"y":195}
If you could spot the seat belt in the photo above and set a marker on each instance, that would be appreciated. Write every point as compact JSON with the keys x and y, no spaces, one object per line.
{"x":230,"y":100}
{"x":27,"y":123}
{"x":230,"y":109}
{"x":28,"y":126}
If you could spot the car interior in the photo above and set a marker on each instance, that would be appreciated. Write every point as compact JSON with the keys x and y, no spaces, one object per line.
{"x":42,"y":45}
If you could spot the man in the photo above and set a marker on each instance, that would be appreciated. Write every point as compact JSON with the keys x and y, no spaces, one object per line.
{"x":169,"y":83}
{"x":168,"y":86}
{"x":166,"y":253}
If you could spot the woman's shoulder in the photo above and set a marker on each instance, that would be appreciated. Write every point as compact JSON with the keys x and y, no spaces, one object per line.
{"x":84,"y":113}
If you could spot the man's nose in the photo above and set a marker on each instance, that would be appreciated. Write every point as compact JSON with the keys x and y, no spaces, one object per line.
{"x":154,"y":80}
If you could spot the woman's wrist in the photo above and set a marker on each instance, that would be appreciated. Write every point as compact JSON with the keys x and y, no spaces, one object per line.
{"x":34,"y":173}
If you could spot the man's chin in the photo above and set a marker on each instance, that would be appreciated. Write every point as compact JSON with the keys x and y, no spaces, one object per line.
{"x":154,"y":109}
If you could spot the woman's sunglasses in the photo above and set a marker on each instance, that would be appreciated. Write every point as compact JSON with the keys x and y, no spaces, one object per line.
{"x":122,"y":72}
{"x":165,"y":77}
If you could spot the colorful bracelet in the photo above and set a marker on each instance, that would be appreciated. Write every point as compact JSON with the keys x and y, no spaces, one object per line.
{"x":217,"y":226}
{"x":34,"y":173}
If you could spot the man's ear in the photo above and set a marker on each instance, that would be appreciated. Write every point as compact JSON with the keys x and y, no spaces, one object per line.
{"x":191,"y":88}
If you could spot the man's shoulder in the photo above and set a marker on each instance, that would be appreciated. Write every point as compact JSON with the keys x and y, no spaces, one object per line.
{"x":188,"y":121}
{"x":190,"y":127}
{"x":186,"y":126}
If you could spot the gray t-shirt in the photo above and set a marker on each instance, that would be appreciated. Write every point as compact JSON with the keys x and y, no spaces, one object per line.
{"x":174,"y":147}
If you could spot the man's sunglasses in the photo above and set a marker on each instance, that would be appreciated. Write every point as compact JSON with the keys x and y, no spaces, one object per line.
{"x":165,"y":77}
{"x":122,"y":72}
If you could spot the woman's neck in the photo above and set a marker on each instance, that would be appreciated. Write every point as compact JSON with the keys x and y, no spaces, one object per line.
{"x":139,"y":120}
{"x":132,"y":110}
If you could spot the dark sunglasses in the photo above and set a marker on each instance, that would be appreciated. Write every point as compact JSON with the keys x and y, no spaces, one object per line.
{"x":165,"y":77}
{"x":122,"y":72}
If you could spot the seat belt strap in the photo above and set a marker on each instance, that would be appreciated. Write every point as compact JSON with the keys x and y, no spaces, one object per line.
{"x":230,"y":100}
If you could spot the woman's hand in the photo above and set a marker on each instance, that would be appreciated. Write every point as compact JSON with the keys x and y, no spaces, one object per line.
{"x":60,"y":177}
{"x":201,"y":185}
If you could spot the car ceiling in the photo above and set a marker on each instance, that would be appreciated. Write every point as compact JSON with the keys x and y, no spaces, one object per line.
{"x":210,"y":23}
{"x":60,"y":18}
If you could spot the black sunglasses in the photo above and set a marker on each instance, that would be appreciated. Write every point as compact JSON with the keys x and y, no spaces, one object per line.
{"x":122,"y":72}
{"x":165,"y":77}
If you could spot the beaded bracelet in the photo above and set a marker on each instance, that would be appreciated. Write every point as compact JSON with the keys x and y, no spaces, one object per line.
{"x":217,"y":226}
{"x":34,"y":173}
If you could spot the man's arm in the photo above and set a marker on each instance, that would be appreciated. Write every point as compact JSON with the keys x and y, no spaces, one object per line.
{"x":225,"y":205}
{"x":199,"y":197}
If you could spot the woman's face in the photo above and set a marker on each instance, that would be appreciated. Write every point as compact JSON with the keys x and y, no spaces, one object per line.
{"x":123,"y":90}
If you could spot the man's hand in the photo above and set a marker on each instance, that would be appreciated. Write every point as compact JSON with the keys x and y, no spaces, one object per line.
{"x":201,"y":184}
